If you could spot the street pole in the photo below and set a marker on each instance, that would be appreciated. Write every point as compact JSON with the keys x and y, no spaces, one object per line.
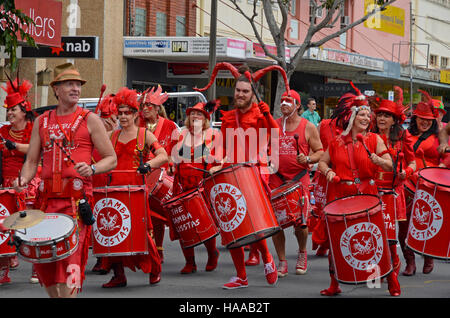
{"x":212,"y":47}
{"x":410,"y":56}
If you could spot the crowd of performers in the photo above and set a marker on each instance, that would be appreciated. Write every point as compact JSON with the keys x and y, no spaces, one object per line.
{"x":68,"y":154}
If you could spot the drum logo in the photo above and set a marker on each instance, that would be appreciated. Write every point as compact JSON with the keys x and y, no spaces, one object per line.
{"x":362,"y":245}
{"x":229,"y":206}
{"x":3,"y":212}
{"x":113,"y":222}
{"x":427,"y":216}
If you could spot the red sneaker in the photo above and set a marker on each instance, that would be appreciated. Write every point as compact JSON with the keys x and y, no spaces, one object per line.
{"x":236,"y":282}
{"x":301,"y":267}
{"x":154,"y":279}
{"x":4,"y":275}
{"x":13,"y":262}
{"x":189,"y":268}
{"x":253,"y":259}
{"x":282,"y":268}
{"x":270,"y":270}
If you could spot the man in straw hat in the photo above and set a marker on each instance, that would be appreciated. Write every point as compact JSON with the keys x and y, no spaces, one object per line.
{"x":66,"y":136}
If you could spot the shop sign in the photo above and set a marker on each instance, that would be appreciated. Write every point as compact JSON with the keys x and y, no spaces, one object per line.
{"x":70,"y":47}
{"x":391,"y":20}
{"x":47,"y":16}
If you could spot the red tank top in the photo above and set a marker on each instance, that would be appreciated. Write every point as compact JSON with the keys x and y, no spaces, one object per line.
{"x":288,"y":165}
{"x":79,"y":147}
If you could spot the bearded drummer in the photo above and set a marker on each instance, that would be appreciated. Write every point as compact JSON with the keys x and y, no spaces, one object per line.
{"x":389,"y":117}
{"x":347,"y":158}
{"x":195,"y":153}
{"x":130,"y":157}
{"x":66,"y":136}
{"x":15,"y":138}
{"x":166,"y":132}
{"x":299,"y":147}
{"x":247,"y":114}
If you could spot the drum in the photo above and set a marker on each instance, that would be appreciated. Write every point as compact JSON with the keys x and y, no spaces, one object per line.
{"x":191,"y":218}
{"x":290,"y":204}
{"x":160,"y":190}
{"x":389,"y":209}
{"x":242,"y":208}
{"x":121,"y":221}
{"x":53,"y":239}
{"x":429,"y":226}
{"x":357,"y":237}
{"x":8,"y":206}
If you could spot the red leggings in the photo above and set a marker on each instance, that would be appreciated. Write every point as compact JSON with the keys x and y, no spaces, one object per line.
{"x":238,"y":256}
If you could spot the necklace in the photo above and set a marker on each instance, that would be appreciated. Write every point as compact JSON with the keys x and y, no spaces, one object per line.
{"x":152,"y":126}
{"x":16,"y":135}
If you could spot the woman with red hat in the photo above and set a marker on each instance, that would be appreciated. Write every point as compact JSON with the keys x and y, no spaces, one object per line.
{"x":166,"y":131}
{"x":194,"y":156}
{"x":424,"y":129}
{"x":346,"y":158}
{"x":15,"y":138}
{"x":388,"y":124}
{"x":126,"y":142}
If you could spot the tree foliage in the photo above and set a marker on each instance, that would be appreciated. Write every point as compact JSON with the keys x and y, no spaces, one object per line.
{"x":12,"y":21}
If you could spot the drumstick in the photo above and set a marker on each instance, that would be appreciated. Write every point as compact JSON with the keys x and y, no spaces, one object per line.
{"x":63,"y":150}
{"x":296,"y":143}
{"x":203,"y":170}
{"x":401,"y":155}
{"x":361,"y":139}
{"x":421,"y":155}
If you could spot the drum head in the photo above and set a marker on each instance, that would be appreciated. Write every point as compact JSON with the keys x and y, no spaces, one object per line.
{"x":284,"y":189}
{"x":437,"y":175}
{"x":351,"y":204}
{"x":53,"y":226}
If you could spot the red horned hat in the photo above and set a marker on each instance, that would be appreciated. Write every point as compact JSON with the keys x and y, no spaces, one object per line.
{"x":107,"y":106}
{"x":126,"y":96}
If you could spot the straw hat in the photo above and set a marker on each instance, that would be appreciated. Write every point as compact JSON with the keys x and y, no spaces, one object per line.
{"x":66,"y":72}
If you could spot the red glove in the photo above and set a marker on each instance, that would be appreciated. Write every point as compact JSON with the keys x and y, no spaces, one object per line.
{"x":264,"y":108}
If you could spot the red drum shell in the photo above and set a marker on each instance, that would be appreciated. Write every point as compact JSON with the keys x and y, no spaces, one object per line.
{"x":242,"y":208}
{"x":191,"y":218}
{"x":160,"y":190}
{"x":357,"y":239}
{"x":389,"y":209}
{"x":121,"y":221}
{"x":8,"y":206}
{"x":429,"y":226}
{"x":290,"y":204}
{"x":53,"y":239}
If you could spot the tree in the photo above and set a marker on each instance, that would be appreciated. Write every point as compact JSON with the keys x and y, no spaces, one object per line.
{"x":12,"y":21}
{"x":278,"y":31}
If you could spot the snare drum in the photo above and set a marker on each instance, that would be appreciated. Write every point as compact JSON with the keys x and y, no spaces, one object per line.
{"x":53,"y":239}
{"x":241,"y":206}
{"x":121,"y":221}
{"x":290,"y":204}
{"x":357,"y":237}
{"x":191,"y":218}
{"x":8,"y":206}
{"x":160,"y":190}
{"x":429,"y":226}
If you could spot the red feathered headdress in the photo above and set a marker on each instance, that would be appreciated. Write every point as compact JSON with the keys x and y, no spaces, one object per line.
{"x":206,"y":108}
{"x":154,"y":97}
{"x":17,"y":93}
{"x":126,"y":96}
{"x":348,"y":106}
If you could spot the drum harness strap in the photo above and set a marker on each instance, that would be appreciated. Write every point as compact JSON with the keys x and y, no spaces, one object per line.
{"x":57,"y":186}
{"x":357,"y":181}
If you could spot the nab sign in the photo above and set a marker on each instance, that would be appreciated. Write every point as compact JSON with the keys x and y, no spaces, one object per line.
{"x":71,"y":47}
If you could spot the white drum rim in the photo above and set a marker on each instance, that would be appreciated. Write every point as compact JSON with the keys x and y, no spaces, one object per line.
{"x":56,"y":239}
